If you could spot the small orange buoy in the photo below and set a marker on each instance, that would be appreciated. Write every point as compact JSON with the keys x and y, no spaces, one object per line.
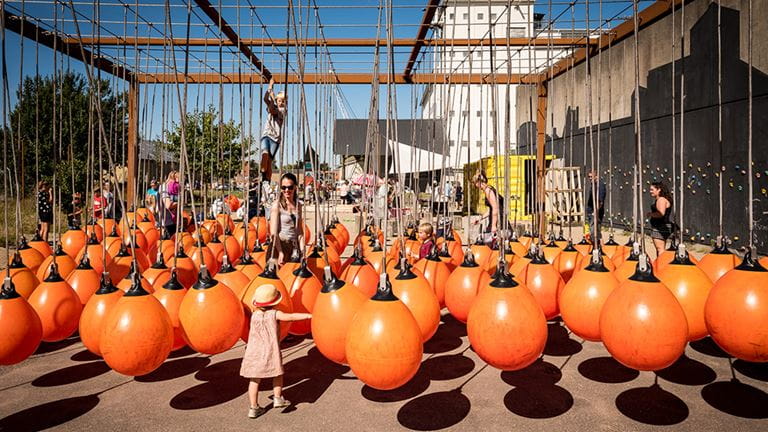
{"x":629,"y":266}
{"x":561,"y":242}
{"x":332,"y":314}
{"x":361,"y":275}
{"x":232,"y":247}
{"x":545,"y":284}
{"x":65,"y":264}
{"x":285,"y":273}
{"x":210,"y":316}
{"x":137,"y":335}
{"x":95,"y":313}
{"x":642,"y":324}
{"x":170,"y":295}
{"x":72,"y":241}
{"x":414,"y":291}
{"x":22,"y":330}
{"x":551,"y":250}
{"x":505,"y":325}
{"x":436,"y":274}
{"x":303,"y":291}
{"x":718,"y":262}
{"x":582,"y":298}
{"x":187,"y":272}
{"x":375,"y":257}
{"x":121,"y":266}
{"x":481,"y":251}
{"x":232,"y":278}
{"x":39,"y":245}
{"x":248,"y":267}
{"x":565,"y":262}
{"x":127,"y":281}
{"x":735,"y":311}
{"x":384,"y":347}
{"x":316,"y":263}
{"x":157,"y":274}
{"x":24,"y":280}
{"x":666,"y":257}
{"x":58,"y":307}
{"x":84,"y":280}
{"x":462,"y":286}
{"x":29,"y":256}
{"x":583,"y":247}
{"x":610,"y":247}
{"x":201,"y":255}
{"x":691,"y":287}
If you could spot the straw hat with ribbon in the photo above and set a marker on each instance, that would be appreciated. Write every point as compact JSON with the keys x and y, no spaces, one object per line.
{"x":266,"y":295}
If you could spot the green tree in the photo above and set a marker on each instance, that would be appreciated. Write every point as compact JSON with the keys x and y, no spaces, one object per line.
{"x":66,"y":153}
{"x":213,"y":148}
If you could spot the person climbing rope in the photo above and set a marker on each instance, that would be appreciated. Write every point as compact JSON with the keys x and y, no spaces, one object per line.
{"x":272,"y":134}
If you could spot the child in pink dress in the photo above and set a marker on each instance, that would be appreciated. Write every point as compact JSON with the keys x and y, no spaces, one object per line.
{"x":263,"y":358}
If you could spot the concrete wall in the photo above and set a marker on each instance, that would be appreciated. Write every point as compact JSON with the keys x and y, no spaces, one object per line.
{"x":612,"y":98}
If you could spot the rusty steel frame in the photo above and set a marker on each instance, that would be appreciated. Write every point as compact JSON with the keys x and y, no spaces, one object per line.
{"x":339,"y":78}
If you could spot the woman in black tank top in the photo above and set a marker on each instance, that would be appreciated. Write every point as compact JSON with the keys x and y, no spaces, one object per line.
{"x":493,"y":201}
{"x":661,"y":216}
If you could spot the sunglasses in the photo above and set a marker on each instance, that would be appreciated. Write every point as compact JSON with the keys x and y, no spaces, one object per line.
{"x":285,"y":188}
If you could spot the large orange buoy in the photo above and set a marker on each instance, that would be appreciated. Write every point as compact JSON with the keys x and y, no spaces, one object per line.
{"x":170,"y":295}
{"x":384,"y":344}
{"x":240,"y":235}
{"x":121,"y":265}
{"x":225,"y":223}
{"x":736,"y":314}
{"x":414,"y":291}
{"x":303,"y":291}
{"x":517,"y":247}
{"x":24,"y":280}
{"x":232,"y":278}
{"x":57,"y":305}
{"x":84,"y":280}
{"x":333,"y":257}
{"x":112,"y":242}
{"x":158,"y":273}
{"x":22,"y":330}
{"x":292,"y":263}
{"x":95,"y":313}
{"x":187,"y":271}
{"x":248,"y":267}
{"x":37,"y":243}
{"x":462,"y":287}
{"x":361,"y":275}
{"x":262,"y":228}
{"x":72,"y":241}
{"x":232,"y":247}
{"x":268,"y":276}
{"x":436,"y":273}
{"x":29,"y":256}
{"x":202,"y":234}
{"x":332,"y":314}
{"x":586,"y":260}
{"x":551,"y":250}
{"x":481,"y":251}
{"x":331,"y":240}
{"x":642,"y":324}
{"x":545,"y":284}
{"x":375,"y":256}
{"x":259,"y":254}
{"x":566,"y":261}
{"x":610,"y":247}
{"x":201,"y":255}
{"x":96,"y":255}
{"x":505,"y":325}
{"x":691,"y":287}
{"x":445,"y":256}
{"x":65,"y":264}
{"x":147,"y":226}
{"x":135,"y":239}
{"x":582,"y":298}
{"x":211,"y":316}
{"x":212,"y":228}
{"x":216,"y":247}
{"x":718,"y":262}
{"x":137,"y":335}
{"x":629,"y":266}
{"x":583,"y":247}
{"x":316,"y":262}
{"x":143,"y":213}
{"x":666,"y":258}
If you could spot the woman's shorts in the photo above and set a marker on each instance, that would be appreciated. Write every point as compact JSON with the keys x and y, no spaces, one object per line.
{"x":269,"y":146}
{"x":45,"y":217}
{"x":661,"y":232}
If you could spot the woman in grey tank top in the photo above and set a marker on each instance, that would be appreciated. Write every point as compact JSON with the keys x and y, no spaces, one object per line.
{"x":286,"y":220}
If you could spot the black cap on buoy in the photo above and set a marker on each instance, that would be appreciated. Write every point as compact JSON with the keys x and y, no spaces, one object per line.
{"x":159,"y":263}
{"x":85,"y":263}
{"x":302,"y":271}
{"x":8,"y":291}
{"x":569,"y":247}
{"x":226,"y":267}
{"x":58,"y":250}
{"x":106,"y":286}
{"x":384,"y":291}
{"x":357,"y":258}
{"x":749,"y":263}
{"x":469,"y":260}
{"x":502,"y":279}
{"x":331,"y":282}
{"x":405,"y":273}
{"x":53,"y":275}
{"x":204,"y":279}
{"x":611,"y":241}
{"x":136,"y":290}
{"x":644,"y":274}
{"x":270,"y":271}
{"x":16,"y":262}
{"x":92,"y":239}
{"x":443,"y":252}
{"x":596,"y":263}
{"x":173,"y":283}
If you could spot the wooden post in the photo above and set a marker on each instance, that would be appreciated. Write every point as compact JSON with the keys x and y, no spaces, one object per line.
{"x":133,"y":128}
{"x":541,"y":161}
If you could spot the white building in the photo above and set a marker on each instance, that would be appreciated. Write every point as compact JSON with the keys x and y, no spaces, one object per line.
{"x":469,"y":110}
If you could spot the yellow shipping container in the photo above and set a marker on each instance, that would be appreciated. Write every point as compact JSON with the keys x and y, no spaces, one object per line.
{"x":522,"y":172}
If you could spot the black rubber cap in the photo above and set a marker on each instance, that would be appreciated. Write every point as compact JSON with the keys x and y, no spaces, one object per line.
{"x":750,"y":264}
{"x":173,"y":283}
{"x":502,"y":279}
{"x":85,"y":263}
{"x":8,"y":290}
{"x":302,"y":271}
{"x":54,"y":275}
{"x":136,"y":290}
{"x":332,"y":284}
{"x":106,"y":286}
{"x":16,"y":262}
{"x":406,"y":273}
{"x":469,"y":260}
{"x":644,"y":275}
{"x":569,"y":247}
{"x":384,"y":293}
{"x":204,"y":280}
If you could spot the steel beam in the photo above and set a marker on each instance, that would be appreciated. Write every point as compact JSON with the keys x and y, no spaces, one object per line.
{"x":339,"y":78}
{"x":231,"y":34}
{"x":338,"y":42}
{"x":426,"y":23}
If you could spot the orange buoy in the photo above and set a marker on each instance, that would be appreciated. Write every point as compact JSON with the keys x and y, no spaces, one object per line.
{"x":610,"y":247}
{"x":551,"y":250}
{"x":64,"y":263}
{"x":666,"y":258}
{"x":216,"y":247}
{"x":232,"y":278}
{"x":248,"y":267}
{"x":303,"y":291}
{"x":109,"y":226}
{"x":201,"y":255}
{"x":29,"y":256}
{"x":121,"y":266}
{"x":72,"y":241}
{"x":566,"y":261}
{"x":331,"y":240}
{"x":414,"y":291}
{"x":361,"y":275}
{"x":96,"y":255}
{"x":375,"y":256}
{"x":127,"y":281}
{"x":622,"y":253}
{"x":24,"y":280}
{"x":718,"y":262}
{"x":225,"y":223}
{"x":735,"y":311}
{"x":629,"y":266}
{"x":157,"y":274}
{"x":445,"y":256}
{"x":545,"y":284}
{"x":170,"y":295}
{"x":642,"y":324}
{"x":316,"y":262}
{"x":436,"y":274}
{"x":691,"y":287}
{"x":135,"y":237}
{"x":561,"y":242}
{"x":58,"y":307}
{"x":505,"y":325}
{"x":37,"y":243}
{"x":332,"y":256}
{"x":517,"y":247}
{"x":412,"y":246}
{"x":240,"y":235}
{"x":137,"y":335}
{"x":112,"y":242}
{"x":268,"y":276}
{"x":84,"y":280}
{"x":481,"y":251}
{"x":335,"y":306}
{"x":262,"y":228}
{"x":259,"y":255}
{"x":212,"y":228}
{"x":22,"y":329}
{"x":232,"y":247}
{"x":211,"y":316}
{"x":583,"y":247}
{"x":285,"y":273}
{"x":462,"y":287}
{"x":493,"y":259}
{"x":384,"y":344}
{"x":95,"y":313}
{"x":527,"y":239}
{"x":202,"y":234}
{"x":145,"y":213}
{"x":187,"y":271}
{"x":518,"y":268}
{"x":582,"y":298}
{"x":584,"y":261}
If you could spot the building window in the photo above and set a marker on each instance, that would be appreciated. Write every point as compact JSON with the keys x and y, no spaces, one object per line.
{"x":465,"y":16}
{"x":465,"y":144}
{"x":478,"y":143}
{"x":478,"y":54}
{"x":479,"y":113}
{"x":517,"y":31}
{"x":451,"y":143}
{"x":465,"y":113}
{"x":480,"y":16}
{"x":451,"y":16}
{"x":493,"y":17}
{"x":452,"y":53}
{"x":451,"y":113}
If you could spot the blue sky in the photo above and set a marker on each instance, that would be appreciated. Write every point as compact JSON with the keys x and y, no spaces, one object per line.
{"x":340,"y":19}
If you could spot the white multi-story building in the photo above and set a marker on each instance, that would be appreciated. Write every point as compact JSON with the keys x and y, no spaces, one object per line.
{"x":468,"y":110}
